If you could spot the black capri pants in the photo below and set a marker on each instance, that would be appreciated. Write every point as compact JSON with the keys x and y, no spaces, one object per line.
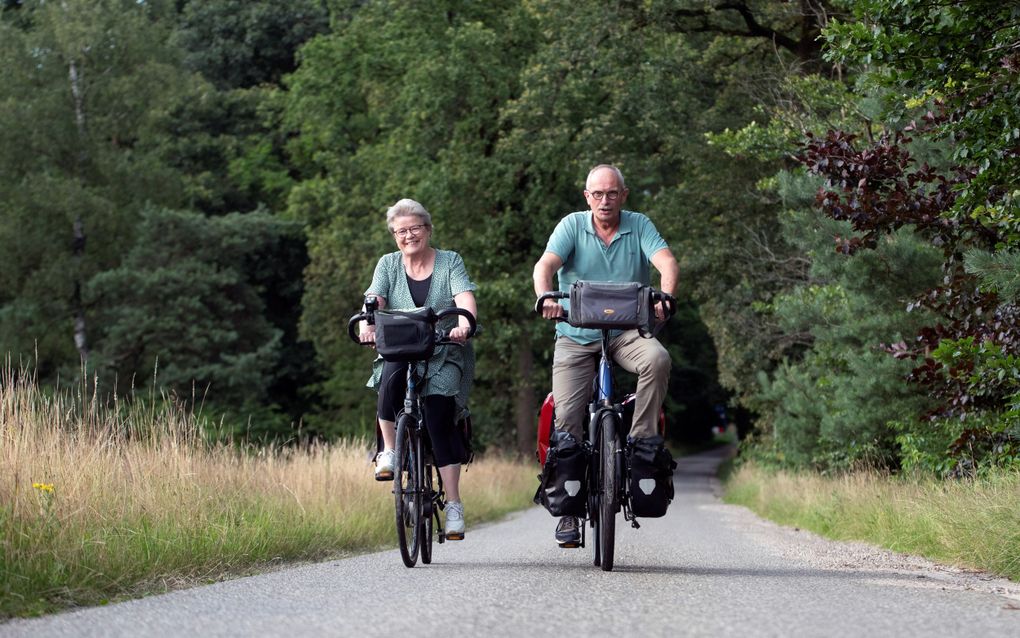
{"x":440,"y":413}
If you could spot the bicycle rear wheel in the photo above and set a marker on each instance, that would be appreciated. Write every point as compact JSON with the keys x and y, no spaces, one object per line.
{"x":407,"y":490}
{"x":608,"y":490}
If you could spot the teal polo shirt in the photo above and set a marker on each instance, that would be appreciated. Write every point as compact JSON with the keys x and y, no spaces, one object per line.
{"x":587,"y":258}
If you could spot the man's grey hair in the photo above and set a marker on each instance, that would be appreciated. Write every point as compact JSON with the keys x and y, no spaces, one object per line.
{"x":619,"y":175}
{"x":407,"y":208}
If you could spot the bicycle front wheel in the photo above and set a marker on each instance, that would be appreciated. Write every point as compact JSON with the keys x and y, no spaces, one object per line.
{"x":608,"y":489}
{"x":407,"y":490}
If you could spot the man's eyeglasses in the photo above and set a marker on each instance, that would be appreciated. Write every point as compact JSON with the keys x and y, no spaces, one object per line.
{"x":610,"y":195}
{"x":410,"y":230}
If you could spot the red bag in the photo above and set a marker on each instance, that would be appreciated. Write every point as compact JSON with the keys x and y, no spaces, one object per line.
{"x":545,"y":428}
{"x":547,"y":415}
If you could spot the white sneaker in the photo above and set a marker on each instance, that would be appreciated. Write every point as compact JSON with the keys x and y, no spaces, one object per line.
{"x":454,"y":521}
{"x":384,"y":466}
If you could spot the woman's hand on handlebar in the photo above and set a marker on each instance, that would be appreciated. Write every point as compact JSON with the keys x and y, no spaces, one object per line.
{"x":367,"y":334}
{"x":460,"y":334}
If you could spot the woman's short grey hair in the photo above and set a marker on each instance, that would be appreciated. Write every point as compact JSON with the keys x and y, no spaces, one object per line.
{"x":407,"y":208}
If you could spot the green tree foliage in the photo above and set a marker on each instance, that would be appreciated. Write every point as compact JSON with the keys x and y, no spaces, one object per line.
{"x":396,"y":102}
{"x":491,"y":116}
{"x":834,"y":403}
{"x":958,"y":62}
{"x":80,"y":88}
{"x":189,"y":302}
{"x":734,"y":250}
{"x":803,"y":323}
{"x":242,"y":44}
{"x":916,"y":205}
{"x":102,"y":119}
{"x":961,"y":60}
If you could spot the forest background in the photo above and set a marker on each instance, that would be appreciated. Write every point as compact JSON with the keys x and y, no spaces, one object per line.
{"x":192,"y":197}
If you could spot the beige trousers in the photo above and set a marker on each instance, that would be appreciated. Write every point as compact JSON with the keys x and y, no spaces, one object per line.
{"x":574,"y":367}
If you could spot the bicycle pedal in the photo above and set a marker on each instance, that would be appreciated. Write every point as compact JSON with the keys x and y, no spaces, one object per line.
{"x":570,"y":545}
{"x":384,"y":477}
{"x":454,"y":537}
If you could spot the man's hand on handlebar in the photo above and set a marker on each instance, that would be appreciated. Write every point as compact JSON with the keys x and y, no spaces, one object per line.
{"x":551,"y":309}
{"x":660,"y":311}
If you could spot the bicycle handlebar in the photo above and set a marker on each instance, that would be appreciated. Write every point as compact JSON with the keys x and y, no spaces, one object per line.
{"x":553,"y":294}
{"x":669,"y":302}
{"x":657,"y":296}
{"x":442,"y":336}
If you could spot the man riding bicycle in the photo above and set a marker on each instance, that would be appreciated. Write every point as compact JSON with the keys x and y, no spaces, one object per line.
{"x":605,"y":243}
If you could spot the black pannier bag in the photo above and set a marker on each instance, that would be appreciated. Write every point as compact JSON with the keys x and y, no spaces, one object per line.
{"x":562,"y":485}
{"x":405,"y":335}
{"x":651,"y":476}
{"x":607,"y":304}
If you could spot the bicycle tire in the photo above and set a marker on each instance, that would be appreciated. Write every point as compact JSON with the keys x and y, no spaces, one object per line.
{"x":594,"y":482}
{"x":407,"y":491}
{"x":608,"y":489}
{"x":429,"y":511}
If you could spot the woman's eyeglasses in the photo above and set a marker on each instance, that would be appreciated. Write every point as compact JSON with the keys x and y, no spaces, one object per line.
{"x":412,"y":231}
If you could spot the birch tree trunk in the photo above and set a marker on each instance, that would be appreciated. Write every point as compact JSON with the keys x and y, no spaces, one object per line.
{"x":78,"y":241}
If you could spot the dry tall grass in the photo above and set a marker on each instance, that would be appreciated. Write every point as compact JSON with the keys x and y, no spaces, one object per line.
{"x":103,"y":501}
{"x":971,"y":523}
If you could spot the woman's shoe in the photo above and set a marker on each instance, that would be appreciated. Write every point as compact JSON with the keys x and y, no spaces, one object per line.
{"x":384,"y":466}
{"x":454,"y":521}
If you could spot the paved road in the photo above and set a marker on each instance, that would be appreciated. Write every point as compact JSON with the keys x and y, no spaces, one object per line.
{"x":706,"y":569}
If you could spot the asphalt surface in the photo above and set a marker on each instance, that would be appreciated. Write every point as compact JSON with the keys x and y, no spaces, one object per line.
{"x":706,"y":569}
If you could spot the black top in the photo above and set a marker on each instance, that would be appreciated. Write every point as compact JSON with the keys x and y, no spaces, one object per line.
{"x":419,"y":289}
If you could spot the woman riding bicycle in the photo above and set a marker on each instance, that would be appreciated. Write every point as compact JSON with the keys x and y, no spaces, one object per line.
{"x":416,"y":276}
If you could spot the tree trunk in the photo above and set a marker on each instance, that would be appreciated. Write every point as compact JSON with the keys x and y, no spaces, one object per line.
{"x":525,"y":409}
{"x":78,"y":241}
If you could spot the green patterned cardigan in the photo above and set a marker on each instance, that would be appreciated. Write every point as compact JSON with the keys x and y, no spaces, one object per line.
{"x":451,"y":370}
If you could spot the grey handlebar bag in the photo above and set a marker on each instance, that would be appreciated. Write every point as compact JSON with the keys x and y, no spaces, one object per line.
{"x":405,"y":336}
{"x":610,"y":304}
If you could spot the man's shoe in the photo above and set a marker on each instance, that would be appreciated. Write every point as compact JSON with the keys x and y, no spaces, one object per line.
{"x":568,"y":532}
{"x":384,"y":466}
{"x":454,"y":521}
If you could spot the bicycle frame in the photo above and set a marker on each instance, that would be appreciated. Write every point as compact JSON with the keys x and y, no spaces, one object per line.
{"x":432,"y":499}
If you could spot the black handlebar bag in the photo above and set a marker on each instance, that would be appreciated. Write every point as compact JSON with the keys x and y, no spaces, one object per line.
{"x":610,"y":304}
{"x":404,"y":336}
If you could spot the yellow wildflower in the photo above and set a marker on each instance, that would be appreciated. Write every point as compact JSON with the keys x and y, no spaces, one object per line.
{"x":43,"y":487}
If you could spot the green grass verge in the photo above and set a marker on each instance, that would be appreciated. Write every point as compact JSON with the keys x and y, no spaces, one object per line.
{"x":101,"y":504}
{"x":53,"y":559}
{"x":972,"y":523}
